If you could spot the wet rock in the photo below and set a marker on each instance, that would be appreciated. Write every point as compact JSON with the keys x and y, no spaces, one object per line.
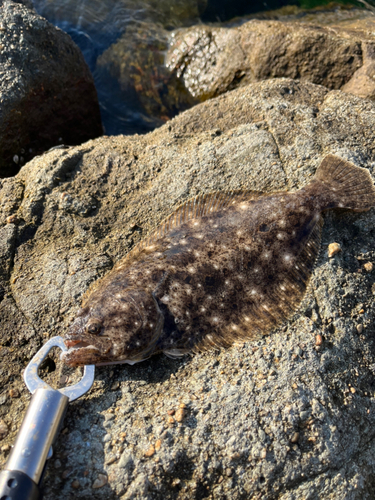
{"x":136,"y":62}
{"x":211,"y":60}
{"x":244,"y":403}
{"x":47,"y":93}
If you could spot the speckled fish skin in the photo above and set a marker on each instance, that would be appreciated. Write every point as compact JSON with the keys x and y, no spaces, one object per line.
{"x":224,"y":268}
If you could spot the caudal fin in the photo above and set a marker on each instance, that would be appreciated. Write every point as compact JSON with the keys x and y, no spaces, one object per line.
{"x":351,"y":186}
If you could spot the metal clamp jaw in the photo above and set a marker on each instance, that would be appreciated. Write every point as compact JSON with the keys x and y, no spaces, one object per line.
{"x":33,"y":446}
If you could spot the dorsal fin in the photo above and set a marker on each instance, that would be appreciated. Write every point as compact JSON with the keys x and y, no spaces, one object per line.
{"x":200,"y":206}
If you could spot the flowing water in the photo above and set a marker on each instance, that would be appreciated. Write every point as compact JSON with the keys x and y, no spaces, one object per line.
{"x":124,"y":43}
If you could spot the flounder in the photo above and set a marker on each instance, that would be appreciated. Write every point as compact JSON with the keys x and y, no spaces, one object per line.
{"x":223,"y":268}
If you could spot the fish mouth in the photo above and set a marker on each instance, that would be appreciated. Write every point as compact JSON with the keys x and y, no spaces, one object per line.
{"x":82,"y":352}
{"x":75,"y":343}
{"x":88,"y":345}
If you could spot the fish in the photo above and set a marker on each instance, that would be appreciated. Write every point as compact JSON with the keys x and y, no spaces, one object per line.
{"x":223,"y":268}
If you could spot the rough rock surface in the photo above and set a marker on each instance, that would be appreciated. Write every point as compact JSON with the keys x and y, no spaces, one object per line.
{"x":212,"y":60}
{"x":288,"y":417}
{"x":47,"y":93}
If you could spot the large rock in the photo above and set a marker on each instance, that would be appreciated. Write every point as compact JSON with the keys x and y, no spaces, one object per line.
{"x":47,"y":93}
{"x":282,"y":418}
{"x":136,"y":63}
{"x":211,"y":60}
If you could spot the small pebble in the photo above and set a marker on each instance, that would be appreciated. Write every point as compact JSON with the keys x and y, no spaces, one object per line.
{"x":107,"y":438}
{"x":295,"y":437}
{"x":333,"y":249}
{"x":171,"y":412}
{"x":5,"y":448}
{"x":318,"y":340}
{"x":14,"y":393}
{"x":180,"y":414}
{"x":304,"y":415}
{"x":263,"y":453}
{"x":368,"y":267}
{"x":150,"y":451}
{"x":158,"y":445}
{"x":352,"y":390}
{"x":359,"y":328}
{"x":12,"y":219}
{"x":229,"y":472}
{"x":115,"y":386}
{"x":100,"y":481}
{"x":171,"y":420}
{"x":75,"y":484}
{"x":64,"y":380}
{"x":3,"y":429}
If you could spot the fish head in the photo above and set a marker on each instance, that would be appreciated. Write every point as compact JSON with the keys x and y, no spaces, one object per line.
{"x":115,"y":326}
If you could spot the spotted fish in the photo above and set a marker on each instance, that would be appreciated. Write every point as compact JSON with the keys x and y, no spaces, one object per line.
{"x":223,"y":268}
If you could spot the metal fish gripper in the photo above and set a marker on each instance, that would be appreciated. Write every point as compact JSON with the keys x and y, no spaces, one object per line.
{"x":23,"y":473}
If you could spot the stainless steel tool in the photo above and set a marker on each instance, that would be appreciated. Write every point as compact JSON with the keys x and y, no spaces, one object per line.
{"x":21,"y":478}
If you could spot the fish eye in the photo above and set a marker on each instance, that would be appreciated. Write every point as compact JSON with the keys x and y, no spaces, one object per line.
{"x":94,"y":326}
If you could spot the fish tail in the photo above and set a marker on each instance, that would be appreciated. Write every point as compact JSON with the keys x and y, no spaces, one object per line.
{"x":349,"y":186}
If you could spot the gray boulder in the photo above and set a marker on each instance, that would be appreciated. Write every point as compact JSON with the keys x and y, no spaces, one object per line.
{"x":47,"y":93}
{"x":291,"y":416}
